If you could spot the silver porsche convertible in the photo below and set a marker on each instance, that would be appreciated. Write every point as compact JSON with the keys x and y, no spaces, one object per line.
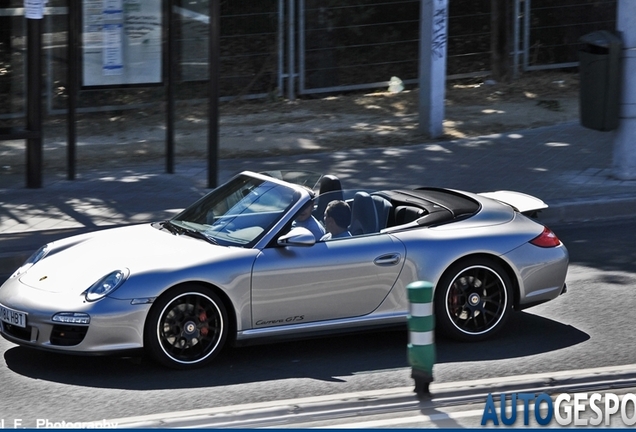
{"x":235,"y":267}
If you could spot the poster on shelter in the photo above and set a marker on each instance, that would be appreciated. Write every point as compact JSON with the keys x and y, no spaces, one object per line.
{"x":34,"y":9}
{"x":121,"y":42}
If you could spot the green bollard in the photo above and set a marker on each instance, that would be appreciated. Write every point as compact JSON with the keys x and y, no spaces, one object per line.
{"x":421,"y":323}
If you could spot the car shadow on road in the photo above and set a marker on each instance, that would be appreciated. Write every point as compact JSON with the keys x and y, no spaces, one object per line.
{"x":525,"y":334}
{"x":324,"y":358}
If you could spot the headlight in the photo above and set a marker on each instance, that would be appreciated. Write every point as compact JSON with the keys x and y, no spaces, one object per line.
{"x":106,"y":285}
{"x":37,"y":256}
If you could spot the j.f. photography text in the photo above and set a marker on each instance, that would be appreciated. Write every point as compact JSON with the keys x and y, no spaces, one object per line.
{"x":50,"y":424}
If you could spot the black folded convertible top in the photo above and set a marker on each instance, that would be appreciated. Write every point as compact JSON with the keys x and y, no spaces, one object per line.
{"x":435,"y":199}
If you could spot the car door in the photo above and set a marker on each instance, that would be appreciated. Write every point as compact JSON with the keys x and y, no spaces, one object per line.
{"x":332,"y":279}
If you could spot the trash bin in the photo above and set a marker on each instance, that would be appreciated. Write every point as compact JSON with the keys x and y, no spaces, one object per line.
{"x":599,"y":68}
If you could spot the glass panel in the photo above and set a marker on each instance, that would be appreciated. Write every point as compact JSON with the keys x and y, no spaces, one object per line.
{"x":12,"y":71}
{"x":248,"y":45}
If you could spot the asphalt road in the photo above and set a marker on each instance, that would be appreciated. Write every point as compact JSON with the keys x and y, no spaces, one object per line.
{"x":590,"y":326}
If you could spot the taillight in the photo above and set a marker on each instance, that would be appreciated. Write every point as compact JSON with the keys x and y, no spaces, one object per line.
{"x":546,"y":239}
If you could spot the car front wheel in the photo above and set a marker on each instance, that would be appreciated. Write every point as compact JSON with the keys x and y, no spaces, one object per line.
{"x":473,"y":300}
{"x":186,"y":328}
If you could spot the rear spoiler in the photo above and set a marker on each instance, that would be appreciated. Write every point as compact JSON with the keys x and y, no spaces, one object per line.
{"x":523,"y":203}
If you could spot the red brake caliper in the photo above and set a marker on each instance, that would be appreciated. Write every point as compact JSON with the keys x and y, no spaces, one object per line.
{"x":455,"y":298}
{"x":203,"y":317}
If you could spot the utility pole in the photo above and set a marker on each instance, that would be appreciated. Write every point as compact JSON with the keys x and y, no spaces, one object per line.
{"x":625,"y":135}
{"x":432,"y":68}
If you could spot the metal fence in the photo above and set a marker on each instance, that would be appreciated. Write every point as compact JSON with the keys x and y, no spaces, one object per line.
{"x":553,"y":29}
{"x":302,"y":47}
{"x":251,"y":33}
{"x":357,"y":44}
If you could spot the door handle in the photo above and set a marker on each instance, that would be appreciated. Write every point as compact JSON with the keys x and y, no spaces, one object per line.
{"x":387,"y":260}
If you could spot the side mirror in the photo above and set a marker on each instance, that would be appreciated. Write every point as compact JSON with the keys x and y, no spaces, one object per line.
{"x":298,"y":236}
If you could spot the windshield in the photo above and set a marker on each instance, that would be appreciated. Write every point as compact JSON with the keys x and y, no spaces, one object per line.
{"x":239,"y":212}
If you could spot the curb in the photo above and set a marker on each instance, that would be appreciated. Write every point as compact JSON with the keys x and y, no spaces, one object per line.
{"x":584,"y":210}
{"x":593,"y":209}
{"x":293,"y":411}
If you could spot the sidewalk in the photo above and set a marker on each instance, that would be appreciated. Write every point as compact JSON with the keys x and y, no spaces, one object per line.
{"x":566,"y":165}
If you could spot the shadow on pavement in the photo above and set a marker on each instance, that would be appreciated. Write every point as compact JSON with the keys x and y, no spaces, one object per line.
{"x":323,"y":359}
{"x":525,"y":334}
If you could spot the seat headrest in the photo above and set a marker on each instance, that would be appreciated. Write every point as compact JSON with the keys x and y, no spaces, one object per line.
{"x":329,"y":183}
{"x":364,"y":218}
{"x":406,"y":214}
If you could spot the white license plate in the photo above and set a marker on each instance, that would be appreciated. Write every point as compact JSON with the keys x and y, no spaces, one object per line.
{"x":13,"y":317}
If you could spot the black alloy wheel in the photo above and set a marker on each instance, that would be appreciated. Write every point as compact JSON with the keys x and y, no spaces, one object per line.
{"x":474,"y":300}
{"x":186,"y":328}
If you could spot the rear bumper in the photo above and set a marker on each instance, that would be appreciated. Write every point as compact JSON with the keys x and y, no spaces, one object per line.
{"x":541,"y":273}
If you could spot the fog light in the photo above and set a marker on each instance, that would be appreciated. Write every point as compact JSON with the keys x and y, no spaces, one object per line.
{"x":72,"y":318}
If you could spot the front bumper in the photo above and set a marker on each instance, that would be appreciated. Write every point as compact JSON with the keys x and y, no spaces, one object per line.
{"x":115,"y":325}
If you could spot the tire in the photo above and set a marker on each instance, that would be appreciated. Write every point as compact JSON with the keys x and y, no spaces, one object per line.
{"x":186,"y":328}
{"x":473,"y":300}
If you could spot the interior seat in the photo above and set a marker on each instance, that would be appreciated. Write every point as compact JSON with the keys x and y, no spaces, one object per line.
{"x":364,"y":218}
{"x":383,"y":208}
{"x":406,"y":214}
{"x":330,"y":189}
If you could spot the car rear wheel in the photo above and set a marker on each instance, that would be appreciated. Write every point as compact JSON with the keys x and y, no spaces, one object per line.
{"x":473,"y":300}
{"x":186,"y":328}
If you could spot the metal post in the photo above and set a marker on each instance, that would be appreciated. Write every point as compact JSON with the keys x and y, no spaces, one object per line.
{"x":213,"y":120}
{"x":624,"y":145}
{"x":516,"y":36}
{"x":432,"y":68}
{"x":170,"y":68}
{"x":34,"y":102}
{"x":72,"y":76}
{"x":281,"y":45}
{"x":526,"y":34}
{"x":291,"y":49}
{"x":301,"y":47}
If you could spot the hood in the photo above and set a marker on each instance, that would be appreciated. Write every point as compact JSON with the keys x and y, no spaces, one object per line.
{"x":75,"y":263}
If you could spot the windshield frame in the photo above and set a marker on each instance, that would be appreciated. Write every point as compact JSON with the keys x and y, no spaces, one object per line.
{"x":244,"y":211}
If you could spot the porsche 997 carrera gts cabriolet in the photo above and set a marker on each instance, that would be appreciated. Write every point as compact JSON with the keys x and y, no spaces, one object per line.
{"x":232,"y":268}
